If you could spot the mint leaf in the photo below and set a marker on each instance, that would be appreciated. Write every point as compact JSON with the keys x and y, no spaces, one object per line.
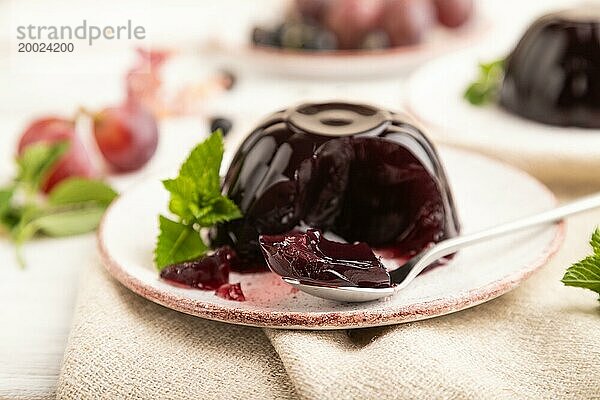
{"x":79,"y":190}
{"x":184,"y":193}
{"x":196,"y":199}
{"x":57,"y":222}
{"x":487,"y":86}
{"x":69,"y":222}
{"x":23,"y":231}
{"x":586,"y":273}
{"x":36,"y":162}
{"x":10,"y":219}
{"x":176,"y":243}
{"x":74,"y":206}
{"x":6,"y":195}
{"x":595,"y":241}
{"x":218,"y":210}
{"x":203,"y":164}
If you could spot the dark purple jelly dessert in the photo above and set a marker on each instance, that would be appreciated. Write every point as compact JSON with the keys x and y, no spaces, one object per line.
{"x":207,"y":273}
{"x":364,"y":174}
{"x":312,"y":259}
{"x":553,"y":74}
{"x":231,"y":291}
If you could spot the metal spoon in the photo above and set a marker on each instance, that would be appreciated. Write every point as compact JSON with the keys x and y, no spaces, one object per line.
{"x":404,"y":275}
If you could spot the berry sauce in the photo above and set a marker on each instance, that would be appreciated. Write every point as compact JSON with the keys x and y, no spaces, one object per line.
{"x":231,"y":291}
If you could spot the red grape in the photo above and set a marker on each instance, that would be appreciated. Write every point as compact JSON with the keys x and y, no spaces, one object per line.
{"x":453,"y":13}
{"x":127,"y":135}
{"x":75,"y":162}
{"x":407,"y":21}
{"x":351,"y":20}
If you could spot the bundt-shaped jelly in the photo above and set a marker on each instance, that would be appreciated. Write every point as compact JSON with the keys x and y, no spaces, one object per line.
{"x":553,"y":74}
{"x":358,"y":172}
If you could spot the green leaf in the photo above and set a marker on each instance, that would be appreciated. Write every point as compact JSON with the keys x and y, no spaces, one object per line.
{"x":586,"y":273}
{"x":177,"y":243}
{"x":79,"y":190}
{"x":486,"y":88}
{"x":595,"y":241}
{"x":74,"y":206}
{"x":36,"y":162}
{"x":218,"y":210}
{"x":203,"y":163}
{"x":183,"y":193}
{"x":11,"y":219}
{"x":24,"y":230}
{"x":55,"y":223}
{"x":10,"y":214}
{"x":195,"y":197}
{"x":59,"y":222}
{"x":6,"y":195}
{"x":70,"y":222}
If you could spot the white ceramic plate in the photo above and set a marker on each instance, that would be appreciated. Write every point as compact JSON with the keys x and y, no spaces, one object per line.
{"x":361,"y":64}
{"x":554,"y":154}
{"x":486,"y":193}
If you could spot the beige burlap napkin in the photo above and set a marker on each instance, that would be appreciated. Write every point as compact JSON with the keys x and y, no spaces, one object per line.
{"x":541,"y":341}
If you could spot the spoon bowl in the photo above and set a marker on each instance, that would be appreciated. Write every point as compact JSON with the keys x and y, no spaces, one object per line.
{"x":350,"y":294}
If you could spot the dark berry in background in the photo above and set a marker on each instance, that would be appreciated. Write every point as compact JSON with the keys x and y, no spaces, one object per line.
{"x":222,"y":123}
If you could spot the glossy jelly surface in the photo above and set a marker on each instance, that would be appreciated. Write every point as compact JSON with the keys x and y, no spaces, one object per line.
{"x":553,"y":74}
{"x":207,"y":273}
{"x":312,"y":259}
{"x":361,"y":173}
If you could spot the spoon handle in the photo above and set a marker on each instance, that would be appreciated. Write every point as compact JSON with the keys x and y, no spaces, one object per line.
{"x":450,"y":246}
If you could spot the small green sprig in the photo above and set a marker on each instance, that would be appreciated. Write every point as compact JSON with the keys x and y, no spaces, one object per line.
{"x":72,"y":207}
{"x":586,"y":273}
{"x":486,"y":88}
{"x":196,"y":200}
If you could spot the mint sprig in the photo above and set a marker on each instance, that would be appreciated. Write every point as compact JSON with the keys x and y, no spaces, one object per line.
{"x":73,"y":207}
{"x":177,"y":242}
{"x":486,"y":88}
{"x":197,"y":202}
{"x":586,"y":273}
{"x":36,"y":162}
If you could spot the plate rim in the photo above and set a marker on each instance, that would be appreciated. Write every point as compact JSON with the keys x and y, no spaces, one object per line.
{"x":335,"y":320}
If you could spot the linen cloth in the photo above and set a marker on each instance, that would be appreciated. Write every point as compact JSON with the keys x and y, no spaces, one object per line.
{"x":540,"y":341}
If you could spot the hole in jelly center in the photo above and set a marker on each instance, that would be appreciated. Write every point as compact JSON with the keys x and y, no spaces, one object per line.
{"x":336,"y":121}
